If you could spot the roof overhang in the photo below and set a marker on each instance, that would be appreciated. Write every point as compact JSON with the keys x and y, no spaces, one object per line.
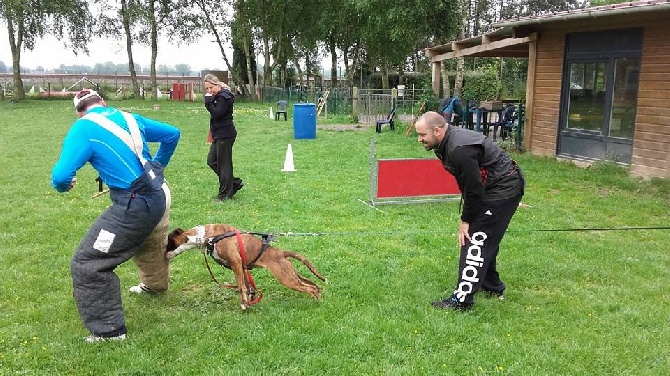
{"x":511,"y":38}
{"x":489,"y":45}
{"x":628,"y":8}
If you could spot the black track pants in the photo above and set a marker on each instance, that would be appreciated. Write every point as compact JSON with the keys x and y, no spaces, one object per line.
{"x":220,"y":160}
{"x":477,"y":267}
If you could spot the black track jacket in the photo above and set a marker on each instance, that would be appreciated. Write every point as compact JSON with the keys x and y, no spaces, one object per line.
{"x":483,"y":171}
{"x":220,"y":107}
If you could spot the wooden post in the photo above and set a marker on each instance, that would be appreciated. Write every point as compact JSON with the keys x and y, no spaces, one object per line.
{"x":530,"y":87}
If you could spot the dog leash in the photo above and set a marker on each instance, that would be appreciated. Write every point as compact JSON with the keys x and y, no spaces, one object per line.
{"x":429,"y":232}
{"x":211,"y":274}
{"x":250,"y":279}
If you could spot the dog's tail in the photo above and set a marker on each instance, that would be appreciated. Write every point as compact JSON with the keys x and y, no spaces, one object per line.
{"x":306,"y":262}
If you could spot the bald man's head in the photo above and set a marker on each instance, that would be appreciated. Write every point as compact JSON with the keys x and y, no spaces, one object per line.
{"x":431,"y":128}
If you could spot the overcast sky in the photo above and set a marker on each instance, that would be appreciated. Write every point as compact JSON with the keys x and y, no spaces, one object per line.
{"x":50,"y":53}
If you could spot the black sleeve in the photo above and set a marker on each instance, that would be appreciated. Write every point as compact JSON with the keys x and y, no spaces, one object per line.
{"x":217,"y":105}
{"x":465,"y":160}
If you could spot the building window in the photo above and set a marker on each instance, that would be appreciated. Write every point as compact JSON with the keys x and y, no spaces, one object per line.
{"x":599,"y":95}
{"x":624,"y":97}
{"x":586,"y":104}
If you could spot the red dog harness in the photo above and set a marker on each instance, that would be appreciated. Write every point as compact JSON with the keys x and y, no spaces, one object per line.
{"x":210,"y":244}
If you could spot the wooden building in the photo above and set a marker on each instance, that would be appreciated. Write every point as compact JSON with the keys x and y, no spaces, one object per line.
{"x":598,"y":84}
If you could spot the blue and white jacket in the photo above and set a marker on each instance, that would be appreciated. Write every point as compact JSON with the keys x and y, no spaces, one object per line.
{"x":116,"y":162}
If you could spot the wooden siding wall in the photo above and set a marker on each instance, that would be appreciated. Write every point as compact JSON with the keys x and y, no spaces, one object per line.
{"x":547,"y":93}
{"x":651,"y":146}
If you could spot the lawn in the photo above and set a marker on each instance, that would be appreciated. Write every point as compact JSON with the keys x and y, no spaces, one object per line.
{"x":579,"y":301}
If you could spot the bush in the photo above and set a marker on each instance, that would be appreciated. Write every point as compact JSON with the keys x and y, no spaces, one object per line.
{"x":481,"y":86}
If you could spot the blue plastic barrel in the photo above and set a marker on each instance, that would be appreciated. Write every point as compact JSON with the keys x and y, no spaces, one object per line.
{"x":304,"y":120}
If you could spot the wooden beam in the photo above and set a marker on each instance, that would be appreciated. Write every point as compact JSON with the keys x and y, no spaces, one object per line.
{"x":482,"y":48}
{"x":494,"y":45}
{"x":530,"y":87}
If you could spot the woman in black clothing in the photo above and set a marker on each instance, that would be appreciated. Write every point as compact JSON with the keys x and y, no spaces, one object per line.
{"x":219,"y":102}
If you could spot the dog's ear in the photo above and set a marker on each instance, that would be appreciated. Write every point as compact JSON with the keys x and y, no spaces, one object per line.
{"x":171,"y":244}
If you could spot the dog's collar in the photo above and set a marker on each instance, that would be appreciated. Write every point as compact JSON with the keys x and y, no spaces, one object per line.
{"x":199,"y":238}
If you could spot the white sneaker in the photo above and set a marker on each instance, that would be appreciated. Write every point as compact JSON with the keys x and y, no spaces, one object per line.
{"x":92,"y":338}
{"x":140,"y":289}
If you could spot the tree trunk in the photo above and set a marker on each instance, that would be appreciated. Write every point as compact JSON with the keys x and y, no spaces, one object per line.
{"x":282,"y":75}
{"x":307,"y":68}
{"x":351,"y":70}
{"x":445,"y":81}
{"x":245,"y":31}
{"x":219,"y":42}
{"x":333,"y":61}
{"x":250,"y":73}
{"x":154,"y":48}
{"x":15,"y":42}
{"x":299,"y":71}
{"x":466,"y":8}
{"x":385,"y":76}
{"x":267,"y":69}
{"x":347,"y":68}
{"x":458,"y":85}
{"x":129,"y":48}
{"x":415,"y":57}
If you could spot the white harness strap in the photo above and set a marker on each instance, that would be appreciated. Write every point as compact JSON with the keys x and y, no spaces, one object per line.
{"x":133,"y":139}
{"x":199,"y":238}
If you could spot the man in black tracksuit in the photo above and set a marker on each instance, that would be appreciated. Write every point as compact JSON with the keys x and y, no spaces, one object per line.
{"x":491,"y":186}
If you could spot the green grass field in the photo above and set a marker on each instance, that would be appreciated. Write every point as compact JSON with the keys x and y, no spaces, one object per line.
{"x":578,"y":302}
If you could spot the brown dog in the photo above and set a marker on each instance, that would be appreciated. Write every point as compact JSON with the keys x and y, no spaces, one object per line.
{"x":226,"y":251}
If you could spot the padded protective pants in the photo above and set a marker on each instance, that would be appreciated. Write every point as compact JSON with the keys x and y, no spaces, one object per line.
{"x":117,"y":235}
{"x":151,"y":262}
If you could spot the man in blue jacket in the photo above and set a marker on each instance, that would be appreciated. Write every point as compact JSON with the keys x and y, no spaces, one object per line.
{"x":135,"y":225}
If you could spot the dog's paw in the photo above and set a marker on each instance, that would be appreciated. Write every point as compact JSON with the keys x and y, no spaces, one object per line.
{"x":170,"y":255}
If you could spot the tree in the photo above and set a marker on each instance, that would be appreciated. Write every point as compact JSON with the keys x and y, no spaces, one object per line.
{"x":120,"y":25}
{"x":128,"y":13}
{"x":216,"y":22}
{"x":247,"y":74}
{"x":178,"y":20}
{"x":396,"y":28}
{"x":269,"y":20}
{"x":337,"y":26}
{"x":28,"y":21}
{"x":244,"y":30}
{"x":182,"y":68}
